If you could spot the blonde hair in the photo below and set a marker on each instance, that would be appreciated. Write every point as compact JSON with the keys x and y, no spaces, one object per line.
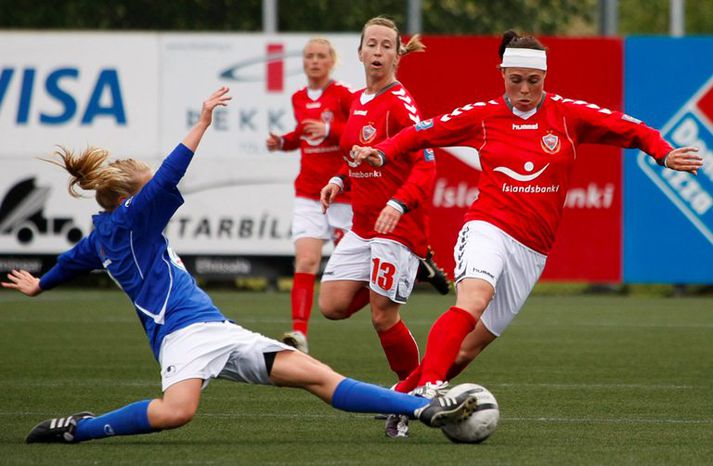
{"x":413,"y":45}
{"x":323,"y":41}
{"x":112,"y":182}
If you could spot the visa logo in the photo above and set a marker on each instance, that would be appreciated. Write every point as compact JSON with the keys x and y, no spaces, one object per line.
{"x":104,"y":99}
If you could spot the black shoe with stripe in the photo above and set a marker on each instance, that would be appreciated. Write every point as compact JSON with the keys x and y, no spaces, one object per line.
{"x":444,"y":410}
{"x":428,"y":271}
{"x":56,"y":430}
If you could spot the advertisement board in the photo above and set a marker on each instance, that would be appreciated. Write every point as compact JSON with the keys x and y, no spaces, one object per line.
{"x":137,"y":95}
{"x":668,"y":222}
{"x":74,"y":90}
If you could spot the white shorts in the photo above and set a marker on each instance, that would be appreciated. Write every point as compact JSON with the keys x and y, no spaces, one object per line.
{"x":308,"y":221}
{"x":208,"y":350}
{"x":388,"y":266}
{"x":486,"y":252}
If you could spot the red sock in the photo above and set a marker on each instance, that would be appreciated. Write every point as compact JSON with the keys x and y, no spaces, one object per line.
{"x":400,"y":348}
{"x":444,"y":341}
{"x":361,"y":299}
{"x":410,"y":382}
{"x":302,"y":298}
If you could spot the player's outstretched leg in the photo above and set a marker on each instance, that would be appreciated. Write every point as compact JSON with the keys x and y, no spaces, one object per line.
{"x":176,"y":408}
{"x":295,"y":369}
{"x":57,"y":430}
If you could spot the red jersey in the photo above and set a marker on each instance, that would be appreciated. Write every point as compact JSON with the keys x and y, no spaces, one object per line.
{"x":320,"y":158}
{"x":527,"y":162}
{"x":407,"y":180}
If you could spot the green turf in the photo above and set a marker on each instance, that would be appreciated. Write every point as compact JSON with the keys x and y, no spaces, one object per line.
{"x":580,"y":380}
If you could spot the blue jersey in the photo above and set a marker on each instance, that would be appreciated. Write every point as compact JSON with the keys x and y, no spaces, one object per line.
{"x":129,"y":244}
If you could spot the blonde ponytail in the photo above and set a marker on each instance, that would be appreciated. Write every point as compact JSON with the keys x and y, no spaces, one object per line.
{"x":413,"y":45}
{"x":112,"y":182}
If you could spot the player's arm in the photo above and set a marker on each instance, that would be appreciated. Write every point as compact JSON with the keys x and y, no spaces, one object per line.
{"x":603,"y":126}
{"x":416,"y":189}
{"x":158,"y":200}
{"x":458,"y":128}
{"x":79,"y":260}
{"x":338,"y":183}
{"x":288,"y":141}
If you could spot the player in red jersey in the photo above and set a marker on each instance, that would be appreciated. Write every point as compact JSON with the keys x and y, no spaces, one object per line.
{"x":321,"y":109}
{"x":527,"y":140}
{"x":377,"y":261}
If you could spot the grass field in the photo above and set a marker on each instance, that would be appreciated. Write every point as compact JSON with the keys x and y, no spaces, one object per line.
{"x":580,"y":380}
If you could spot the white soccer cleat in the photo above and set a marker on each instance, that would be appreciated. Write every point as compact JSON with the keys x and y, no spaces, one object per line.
{"x":431,"y":390}
{"x":396,"y":426}
{"x":296,"y":340}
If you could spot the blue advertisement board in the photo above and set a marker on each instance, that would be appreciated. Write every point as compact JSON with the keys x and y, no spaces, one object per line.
{"x":668,"y":215}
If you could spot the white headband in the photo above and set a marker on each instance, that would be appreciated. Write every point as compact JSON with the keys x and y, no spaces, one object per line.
{"x":524,"y":58}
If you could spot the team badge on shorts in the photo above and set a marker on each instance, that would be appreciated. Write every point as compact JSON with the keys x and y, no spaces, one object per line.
{"x":550,"y":143}
{"x":368,"y":133}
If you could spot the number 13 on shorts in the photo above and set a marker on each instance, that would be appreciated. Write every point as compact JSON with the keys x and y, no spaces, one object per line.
{"x":382,"y":273}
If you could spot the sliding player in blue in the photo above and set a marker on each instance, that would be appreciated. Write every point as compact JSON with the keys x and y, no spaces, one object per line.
{"x":191,"y":339}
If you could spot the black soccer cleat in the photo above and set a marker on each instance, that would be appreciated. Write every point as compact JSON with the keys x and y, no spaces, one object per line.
{"x":56,"y":430}
{"x":444,"y":410}
{"x":428,"y":271}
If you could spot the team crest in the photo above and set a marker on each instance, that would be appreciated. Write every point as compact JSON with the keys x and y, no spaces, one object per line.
{"x":327,"y":116}
{"x":367,"y":134}
{"x":550,"y":143}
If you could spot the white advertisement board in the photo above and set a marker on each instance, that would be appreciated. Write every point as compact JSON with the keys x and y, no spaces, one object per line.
{"x":137,"y":95}
{"x":239,"y":195}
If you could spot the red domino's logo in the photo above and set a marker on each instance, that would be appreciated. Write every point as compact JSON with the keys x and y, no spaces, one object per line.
{"x":692,"y":125}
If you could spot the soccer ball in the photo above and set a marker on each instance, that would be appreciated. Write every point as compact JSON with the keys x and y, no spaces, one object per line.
{"x":481,"y":424}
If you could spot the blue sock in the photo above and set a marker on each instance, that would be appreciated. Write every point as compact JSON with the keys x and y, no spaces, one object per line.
{"x":360,"y":397}
{"x":129,"y":420}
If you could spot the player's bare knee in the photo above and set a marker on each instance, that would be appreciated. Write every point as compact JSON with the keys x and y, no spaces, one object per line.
{"x":475,"y":305}
{"x":334,"y":314}
{"x":307,"y":264}
{"x":179,"y":416}
{"x":330,"y":310}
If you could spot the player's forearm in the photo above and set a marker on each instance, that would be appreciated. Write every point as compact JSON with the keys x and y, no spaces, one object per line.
{"x":194,"y":136}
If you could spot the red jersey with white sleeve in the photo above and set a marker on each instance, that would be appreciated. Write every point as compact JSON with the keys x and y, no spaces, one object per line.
{"x":527,"y":163}
{"x":407,"y":180}
{"x":320,"y":157}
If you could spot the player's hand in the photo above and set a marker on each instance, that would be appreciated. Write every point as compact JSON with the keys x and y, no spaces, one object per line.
{"x":387,"y":221}
{"x":314,"y":129}
{"x":367,"y":154}
{"x":273,"y":142}
{"x":219,"y":98}
{"x":684,"y":159}
{"x":327,"y":195}
{"x":24,"y":282}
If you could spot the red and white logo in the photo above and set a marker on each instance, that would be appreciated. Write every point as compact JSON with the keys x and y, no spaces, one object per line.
{"x":367,"y":134}
{"x":327,"y":116}
{"x":550,"y":143}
